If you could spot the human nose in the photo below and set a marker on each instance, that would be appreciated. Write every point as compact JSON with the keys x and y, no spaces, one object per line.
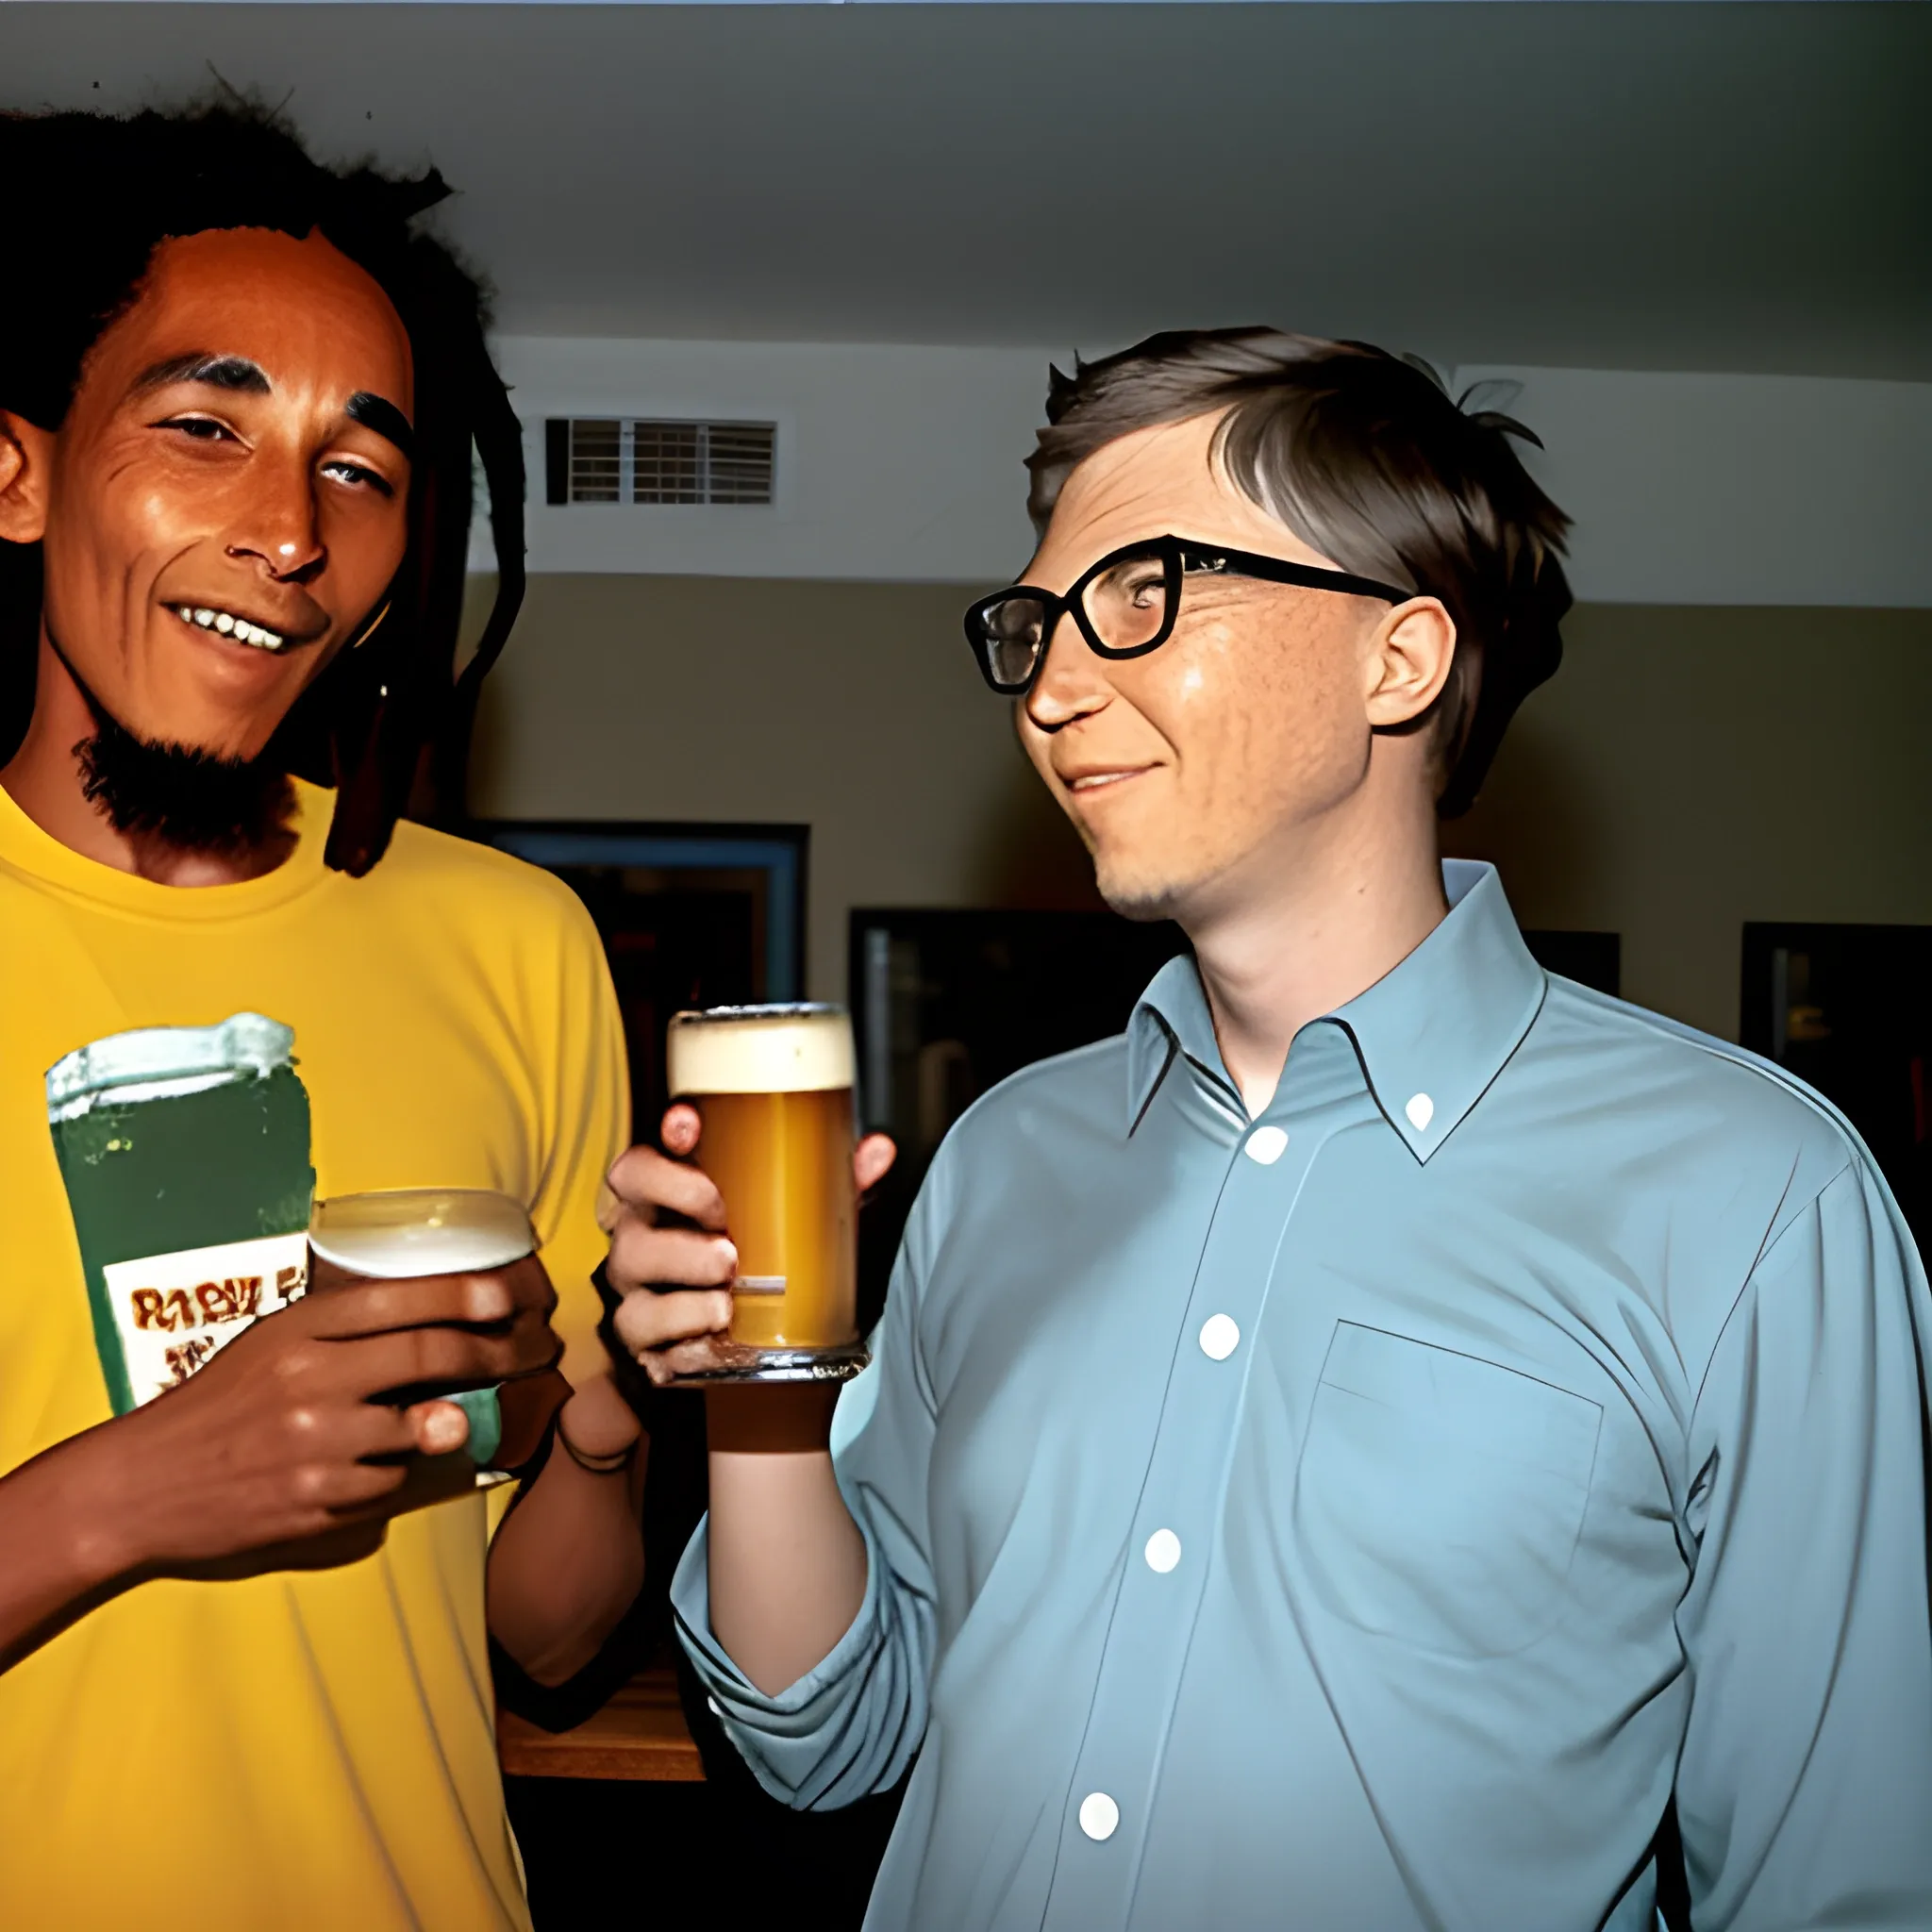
{"x":1072,"y":683}
{"x":280,"y":529}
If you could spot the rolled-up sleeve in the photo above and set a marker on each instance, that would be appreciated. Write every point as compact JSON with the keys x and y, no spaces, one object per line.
{"x":852,"y":1725}
{"x":1804,"y":1785}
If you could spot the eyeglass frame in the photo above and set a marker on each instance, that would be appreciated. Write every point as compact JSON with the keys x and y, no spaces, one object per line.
{"x":1177,"y":556}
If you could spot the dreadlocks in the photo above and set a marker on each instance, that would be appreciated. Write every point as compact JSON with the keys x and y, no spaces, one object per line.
{"x":105,"y":194}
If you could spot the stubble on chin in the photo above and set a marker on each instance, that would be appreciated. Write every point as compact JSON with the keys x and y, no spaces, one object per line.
{"x":1141,"y":892}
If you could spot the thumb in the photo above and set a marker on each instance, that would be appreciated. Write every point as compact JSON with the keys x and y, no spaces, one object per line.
{"x":440,"y":1427}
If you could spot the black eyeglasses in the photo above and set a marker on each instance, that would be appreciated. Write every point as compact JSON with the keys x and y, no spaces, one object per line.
{"x":1125,"y":606}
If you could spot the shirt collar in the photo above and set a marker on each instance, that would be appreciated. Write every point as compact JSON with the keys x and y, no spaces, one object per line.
{"x":1431,"y":1035}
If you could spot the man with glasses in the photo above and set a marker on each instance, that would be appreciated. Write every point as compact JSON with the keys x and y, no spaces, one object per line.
{"x":1395,"y":1440}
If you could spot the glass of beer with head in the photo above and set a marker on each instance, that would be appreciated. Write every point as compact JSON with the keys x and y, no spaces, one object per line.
{"x":773,"y":1087}
{"x":397,"y":1233}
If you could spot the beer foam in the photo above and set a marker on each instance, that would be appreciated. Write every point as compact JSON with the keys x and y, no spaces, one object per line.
{"x":760,"y":1050}
{"x":421,"y":1231}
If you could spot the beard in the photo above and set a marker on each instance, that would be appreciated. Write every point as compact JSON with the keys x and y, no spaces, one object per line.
{"x":190,"y":799}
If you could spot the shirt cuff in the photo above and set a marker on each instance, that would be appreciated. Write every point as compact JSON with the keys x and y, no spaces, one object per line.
{"x":802,"y":1742}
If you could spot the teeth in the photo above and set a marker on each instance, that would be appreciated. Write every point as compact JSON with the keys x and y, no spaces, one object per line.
{"x":229,"y":625}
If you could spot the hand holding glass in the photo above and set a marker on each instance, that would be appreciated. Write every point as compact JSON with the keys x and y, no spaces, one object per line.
{"x":402,"y":1233}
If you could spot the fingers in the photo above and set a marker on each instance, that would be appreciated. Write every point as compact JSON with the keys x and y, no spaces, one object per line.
{"x":646,"y":1321}
{"x":349,"y":1489}
{"x":645,"y":1182}
{"x":375,"y":1308}
{"x":680,"y":1257}
{"x":368,"y":1366}
{"x":692,"y":1358}
{"x":610,"y":1209}
{"x":872,"y":1160}
{"x":529,"y":1283}
{"x":682,"y":1125}
{"x":434,"y":1429}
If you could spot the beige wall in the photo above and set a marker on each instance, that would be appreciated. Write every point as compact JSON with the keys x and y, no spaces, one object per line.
{"x":853,"y":707}
{"x":1688,"y":769}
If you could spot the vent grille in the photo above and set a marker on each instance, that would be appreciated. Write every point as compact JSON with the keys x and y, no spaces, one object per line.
{"x":636,"y":459}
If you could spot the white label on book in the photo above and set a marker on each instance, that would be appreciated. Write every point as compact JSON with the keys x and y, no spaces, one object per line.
{"x":174,"y":1312}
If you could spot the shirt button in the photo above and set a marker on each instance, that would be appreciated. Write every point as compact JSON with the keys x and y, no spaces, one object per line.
{"x":1163,"y":1551}
{"x":1099,"y":1815}
{"x":1220,"y":1335}
{"x":1266,"y":1146}
{"x":1420,"y":1110}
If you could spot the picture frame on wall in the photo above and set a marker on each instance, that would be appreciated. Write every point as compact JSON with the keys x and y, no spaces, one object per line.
{"x":691,"y":915}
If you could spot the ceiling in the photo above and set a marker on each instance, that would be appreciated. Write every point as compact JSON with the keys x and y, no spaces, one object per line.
{"x":1744,"y":186}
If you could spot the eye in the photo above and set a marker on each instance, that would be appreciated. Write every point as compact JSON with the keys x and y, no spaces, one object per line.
{"x":202,"y":428}
{"x":1140,"y":581}
{"x":357,"y":477}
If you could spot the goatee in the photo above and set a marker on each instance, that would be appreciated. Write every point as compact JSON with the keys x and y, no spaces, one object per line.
{"x":190,"y":799}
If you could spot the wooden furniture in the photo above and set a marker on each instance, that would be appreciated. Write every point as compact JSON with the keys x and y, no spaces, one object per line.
{"x":641,"y":1734}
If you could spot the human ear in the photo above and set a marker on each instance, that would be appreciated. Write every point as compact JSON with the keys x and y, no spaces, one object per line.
{"x":26,"y":461}
{"x":1409,"y":659}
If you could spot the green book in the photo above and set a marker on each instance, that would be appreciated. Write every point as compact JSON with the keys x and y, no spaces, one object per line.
{"x":185,"y":1153}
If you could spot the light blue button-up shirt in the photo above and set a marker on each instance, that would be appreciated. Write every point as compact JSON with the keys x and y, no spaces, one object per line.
{"x":1363,"y":1518}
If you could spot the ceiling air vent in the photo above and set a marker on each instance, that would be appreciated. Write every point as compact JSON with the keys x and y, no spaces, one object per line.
{"x":630,"y":460}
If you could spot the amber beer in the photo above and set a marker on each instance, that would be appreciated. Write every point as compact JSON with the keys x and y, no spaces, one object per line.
{"x":773,"y":1085}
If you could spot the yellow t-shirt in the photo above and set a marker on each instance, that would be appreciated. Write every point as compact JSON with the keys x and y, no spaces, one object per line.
{"x":303,"y":1749}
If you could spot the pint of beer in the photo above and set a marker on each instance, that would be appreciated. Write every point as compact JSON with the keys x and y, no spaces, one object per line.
{"x":394,"y":1234}
{"x":774,"y":1086}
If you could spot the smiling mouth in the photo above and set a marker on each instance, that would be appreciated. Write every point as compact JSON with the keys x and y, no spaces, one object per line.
{"x":227,"y":625}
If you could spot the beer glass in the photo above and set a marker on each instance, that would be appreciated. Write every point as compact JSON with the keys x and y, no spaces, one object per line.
{"x":397,"y":1233}
{"x":773,"y":1087}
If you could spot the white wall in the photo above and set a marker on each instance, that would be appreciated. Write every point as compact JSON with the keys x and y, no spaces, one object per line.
{"x":903,"y":464}
{"x":1735,"y":489}
{"x":894,"y":464}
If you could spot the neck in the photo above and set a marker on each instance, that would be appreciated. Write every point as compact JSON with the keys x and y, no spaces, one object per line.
{"x":1304,"y":932}
{"x":45,"y":780}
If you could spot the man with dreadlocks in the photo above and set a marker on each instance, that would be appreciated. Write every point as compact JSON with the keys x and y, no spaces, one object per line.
{"x":244,"y":1679}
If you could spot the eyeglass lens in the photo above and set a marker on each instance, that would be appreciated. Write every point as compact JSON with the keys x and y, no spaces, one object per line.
{"x":1125,"y":605}
{"x":1013,"y":633}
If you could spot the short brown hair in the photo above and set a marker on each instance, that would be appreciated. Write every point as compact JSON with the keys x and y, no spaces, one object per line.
{"x":1364,"y":455}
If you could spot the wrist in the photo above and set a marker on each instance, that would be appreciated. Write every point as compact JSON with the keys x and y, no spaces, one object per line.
{"x":774,"y":1420}
{"x":88,"y":1511}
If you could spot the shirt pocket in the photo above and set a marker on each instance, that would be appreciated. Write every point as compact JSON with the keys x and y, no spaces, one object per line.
{"x":1439,"y":1497}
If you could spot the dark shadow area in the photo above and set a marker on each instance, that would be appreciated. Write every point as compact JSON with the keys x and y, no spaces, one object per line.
{"x":1844,"y":1007}
{"x":946,"y":1004}
{"x":1594,"y":960}
{"x":1537,"y":824}
{"x":1026,"y":853}
{"x":600,"y":1852}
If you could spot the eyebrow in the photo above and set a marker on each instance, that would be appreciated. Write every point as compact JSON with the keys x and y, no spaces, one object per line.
{"x":381,"y":415}
{"x":242,"y":376}
{"x":210,"y":370}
